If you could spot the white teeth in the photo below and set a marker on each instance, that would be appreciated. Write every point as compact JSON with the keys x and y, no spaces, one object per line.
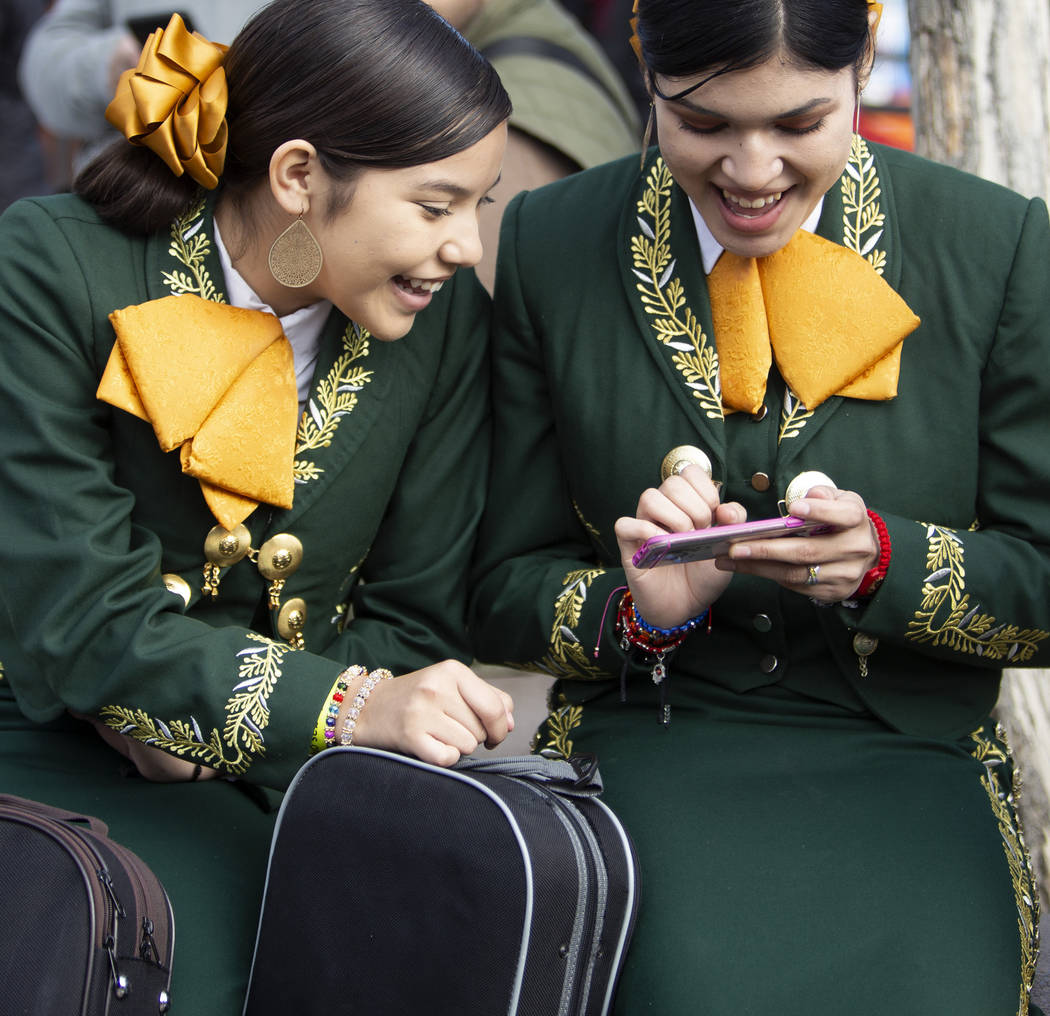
{"x":756,"y":203}
{"x":426,"y":286}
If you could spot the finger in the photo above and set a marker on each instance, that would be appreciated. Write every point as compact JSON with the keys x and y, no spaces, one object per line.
{"x":490,"y":709}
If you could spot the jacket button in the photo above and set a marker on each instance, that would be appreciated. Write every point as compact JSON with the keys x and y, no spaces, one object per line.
{"x":178,"y":585}
{"x":760,"y":482}
{"x":292,"y":619}
{"x":681,"y":456}
{"x":769,"y":663}
{"x":761,"y":414}
{"x":762,"y":622}
{"x":279,"y":556}
{"x":864,"y":644}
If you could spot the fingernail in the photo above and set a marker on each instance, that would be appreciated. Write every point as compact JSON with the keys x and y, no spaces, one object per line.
{"x":740,"y":550}
{"x":799,"y":508}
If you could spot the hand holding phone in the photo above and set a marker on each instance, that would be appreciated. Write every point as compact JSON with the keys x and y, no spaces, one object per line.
{"x":715,"y":541}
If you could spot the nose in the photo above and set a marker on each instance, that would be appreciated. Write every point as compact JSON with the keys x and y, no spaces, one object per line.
{"x":462,"y":247}
{"x":752,"y":164}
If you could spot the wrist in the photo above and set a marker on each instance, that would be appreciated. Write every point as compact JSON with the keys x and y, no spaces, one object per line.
{"x":875,"y":575}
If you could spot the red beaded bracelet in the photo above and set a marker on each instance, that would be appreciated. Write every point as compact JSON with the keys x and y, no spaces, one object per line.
{"x":633,"y":630}
{"x":874,"y":576}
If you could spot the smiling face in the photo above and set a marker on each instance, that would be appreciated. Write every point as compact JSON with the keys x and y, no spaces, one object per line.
{"x":404,"y":233}
{"x":756,"y":149}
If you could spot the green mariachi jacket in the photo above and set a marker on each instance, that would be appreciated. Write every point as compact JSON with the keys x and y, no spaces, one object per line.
{"x":604,"y":361}
{"x":391,"y":455}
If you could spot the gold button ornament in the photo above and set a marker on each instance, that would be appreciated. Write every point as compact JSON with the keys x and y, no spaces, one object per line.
{"x":279,"y":557}
{"x":222,"y":548}
{"x":681,"y":456}
{"x":178,"y":585}
{"x":291,"y":621}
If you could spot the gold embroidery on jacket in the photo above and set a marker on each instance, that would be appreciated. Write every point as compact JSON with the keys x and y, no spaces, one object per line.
{"x":663,"y":295}
{"x":190,"y":246}
{"x":335,"y":397}
{"x":566,"y":656}
{"x":560,"y":723}
{"x":861,"y":211}
{"x":247,"y":715}
{"x":945,"y":616}
{"x":995,"y":756}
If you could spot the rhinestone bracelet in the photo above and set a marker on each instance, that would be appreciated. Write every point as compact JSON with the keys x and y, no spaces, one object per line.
{"x":358,"y":703}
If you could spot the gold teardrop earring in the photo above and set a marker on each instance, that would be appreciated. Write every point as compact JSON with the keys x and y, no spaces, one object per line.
{"x":295,"y":256}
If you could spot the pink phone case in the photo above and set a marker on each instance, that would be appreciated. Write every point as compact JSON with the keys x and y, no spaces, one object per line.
{"x":704,"y":544}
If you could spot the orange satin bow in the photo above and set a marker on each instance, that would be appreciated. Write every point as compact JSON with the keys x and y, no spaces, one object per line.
{"x":174,"y":102}
{"x":218,"y":383}
{"x":833,"y":324}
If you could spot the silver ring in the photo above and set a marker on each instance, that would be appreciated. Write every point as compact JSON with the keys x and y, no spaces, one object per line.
{"x":814,"y":571}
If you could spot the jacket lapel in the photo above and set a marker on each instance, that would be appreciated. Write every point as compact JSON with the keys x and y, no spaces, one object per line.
{"x":662,"y":274}
{"x":858,"y":213}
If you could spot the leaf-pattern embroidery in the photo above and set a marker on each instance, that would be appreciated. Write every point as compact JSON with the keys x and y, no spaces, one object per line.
{"x":560,"y":723}
{"x":190,"y":246}
{"x":663,"y":296}
{"x":336,"y":396}
{"x":946,"y":617}
{"x":994,"y":755}
{"x":247,"y":715}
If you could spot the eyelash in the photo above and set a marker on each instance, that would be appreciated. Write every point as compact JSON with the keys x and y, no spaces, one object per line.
{"x":436,"y":212}
{"x":793,"y":131}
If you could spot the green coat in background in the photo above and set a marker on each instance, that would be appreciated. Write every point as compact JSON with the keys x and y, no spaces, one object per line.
{"x":825,"y":825}
{"x":102,"y":530}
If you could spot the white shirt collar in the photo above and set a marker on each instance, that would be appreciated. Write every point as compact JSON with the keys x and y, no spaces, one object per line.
{"x":711,"y":249}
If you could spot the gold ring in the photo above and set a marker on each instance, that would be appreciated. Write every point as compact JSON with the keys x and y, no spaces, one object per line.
{"x":814,"y":570}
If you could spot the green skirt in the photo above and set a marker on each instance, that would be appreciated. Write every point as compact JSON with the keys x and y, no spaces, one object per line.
{"x":798,"y":858}
{"x":208,"y":843}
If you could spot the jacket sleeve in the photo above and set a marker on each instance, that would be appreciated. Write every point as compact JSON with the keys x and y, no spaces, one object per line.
{"x":411,"y":605}
{"x":541,"y":586}
{"x":978,"y":593}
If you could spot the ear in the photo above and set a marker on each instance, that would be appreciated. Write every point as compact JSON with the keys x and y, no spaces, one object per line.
{"x":295,"y":176}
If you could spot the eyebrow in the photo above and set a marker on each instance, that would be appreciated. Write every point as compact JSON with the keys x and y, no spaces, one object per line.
{"x":453,"y":190}
{"x":789,"y":114}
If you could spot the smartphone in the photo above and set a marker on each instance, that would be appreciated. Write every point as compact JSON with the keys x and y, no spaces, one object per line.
{"x":704,"y":544}
{"x":143,"y":25}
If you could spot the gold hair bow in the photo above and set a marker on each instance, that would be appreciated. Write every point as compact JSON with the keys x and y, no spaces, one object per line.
{"x":174,"y":102}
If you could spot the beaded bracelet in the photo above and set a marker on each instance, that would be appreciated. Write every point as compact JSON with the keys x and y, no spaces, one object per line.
{"x":874,"y":576}
{"x":329,"y":716}
{"x":635,"y":631}
{"x":350,"y":723}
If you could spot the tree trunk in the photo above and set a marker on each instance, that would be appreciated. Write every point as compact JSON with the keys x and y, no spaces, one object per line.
{"x":981,"y":102}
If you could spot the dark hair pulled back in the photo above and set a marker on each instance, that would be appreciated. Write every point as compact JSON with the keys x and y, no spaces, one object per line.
{"x":683,"y":38}
{"x":369,"y":83}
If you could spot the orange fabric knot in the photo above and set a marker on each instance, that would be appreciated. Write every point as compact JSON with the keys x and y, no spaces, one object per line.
{"x":218,"y":383}
{"x":831,"y":322}
{"x":174,"y":102}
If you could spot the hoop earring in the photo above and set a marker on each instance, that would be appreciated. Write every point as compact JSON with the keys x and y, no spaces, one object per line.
{"x":295,"y":256}
{"x":856,"y":115}
{"x":647,"y":136}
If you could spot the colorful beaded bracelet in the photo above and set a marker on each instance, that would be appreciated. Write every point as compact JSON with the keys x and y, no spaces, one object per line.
{"x":634,"y":630}
{"x":350,"y":723}
{"x":874,"y":576}
{"x":338,"y":694}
